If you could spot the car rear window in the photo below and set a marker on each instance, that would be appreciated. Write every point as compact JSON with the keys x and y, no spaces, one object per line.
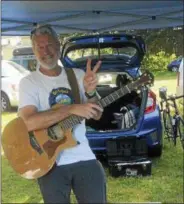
{"x":122,"y":54}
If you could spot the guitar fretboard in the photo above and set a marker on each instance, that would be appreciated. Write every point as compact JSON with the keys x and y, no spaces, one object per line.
{"x":73,"y":120}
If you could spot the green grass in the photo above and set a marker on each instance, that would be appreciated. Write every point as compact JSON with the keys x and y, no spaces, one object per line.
{"x":167,"y":79}
{"x":164,"y":185}
{"x":165,"y":75}
{"x":6,"y":117}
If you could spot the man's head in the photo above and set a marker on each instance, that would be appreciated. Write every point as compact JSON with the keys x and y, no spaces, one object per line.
{"x":46,"y":46}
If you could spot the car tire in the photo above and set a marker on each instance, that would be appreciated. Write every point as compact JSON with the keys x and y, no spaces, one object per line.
{"x":5,"y":102}
{"x":174,"y":69}
{"x":155,"y":151}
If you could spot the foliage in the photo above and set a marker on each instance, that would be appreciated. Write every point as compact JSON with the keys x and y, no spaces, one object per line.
{"x":169,"y":40}
{"x":157,"y":62}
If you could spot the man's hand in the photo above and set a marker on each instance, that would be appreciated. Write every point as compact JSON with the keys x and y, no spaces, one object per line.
{"x":90,"y":78}
{"x":87,"y":110}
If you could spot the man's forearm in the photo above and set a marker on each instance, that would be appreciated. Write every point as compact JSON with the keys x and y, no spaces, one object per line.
{"x":45,"y":119}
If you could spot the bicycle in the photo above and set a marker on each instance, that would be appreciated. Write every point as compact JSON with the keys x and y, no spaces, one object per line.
{"x":173,"y":123}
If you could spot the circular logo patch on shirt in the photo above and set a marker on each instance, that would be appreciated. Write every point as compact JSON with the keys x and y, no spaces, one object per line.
{"x":60,"y":96}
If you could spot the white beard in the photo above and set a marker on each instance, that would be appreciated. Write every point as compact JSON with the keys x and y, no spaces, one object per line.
{"x":51,"y":65}
{"x":46,"y":66}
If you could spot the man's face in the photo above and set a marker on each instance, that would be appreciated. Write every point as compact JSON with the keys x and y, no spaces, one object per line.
{"x":46,"y":50}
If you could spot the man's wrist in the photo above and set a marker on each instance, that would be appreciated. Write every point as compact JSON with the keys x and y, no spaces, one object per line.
{"x":95,"y":97}
{"x":90,"y":94}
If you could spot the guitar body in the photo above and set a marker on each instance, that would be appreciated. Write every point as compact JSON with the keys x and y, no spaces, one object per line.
{"x":32,"y":154}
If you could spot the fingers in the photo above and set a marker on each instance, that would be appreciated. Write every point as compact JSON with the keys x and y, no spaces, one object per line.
{"x":88,"y":110}
{"x":90,"y":77}
{"x":97,"y":66}
{"x":92,"y":110}
{"x":88,"y":66}
{"x":97,"y":107}
{"x":92,"y":82}
{"x":89,"y":116}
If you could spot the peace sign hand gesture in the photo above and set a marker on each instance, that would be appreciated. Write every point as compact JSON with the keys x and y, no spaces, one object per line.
{"x":90,"y":78}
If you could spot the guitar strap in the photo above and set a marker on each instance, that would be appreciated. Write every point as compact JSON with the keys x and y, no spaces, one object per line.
{"x":73,"y":84}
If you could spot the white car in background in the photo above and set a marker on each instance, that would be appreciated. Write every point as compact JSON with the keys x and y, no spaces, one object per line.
{"x":11,"y":74}
{"x":179,"y":88}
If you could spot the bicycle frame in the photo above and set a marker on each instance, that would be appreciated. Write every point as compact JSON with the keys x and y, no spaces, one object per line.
{"x":175,"y":120}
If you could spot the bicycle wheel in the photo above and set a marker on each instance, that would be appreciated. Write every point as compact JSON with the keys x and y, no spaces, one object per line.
{"x":168,"y":126}
{"x":180,"y":127}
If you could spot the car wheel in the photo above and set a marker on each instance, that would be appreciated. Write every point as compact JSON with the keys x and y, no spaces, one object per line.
{"x":5,"y":103}
{"x":155,"y":151}
{"x":174,"y":69}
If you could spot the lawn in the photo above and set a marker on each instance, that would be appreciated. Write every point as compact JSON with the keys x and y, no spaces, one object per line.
{"x":164,"y":185}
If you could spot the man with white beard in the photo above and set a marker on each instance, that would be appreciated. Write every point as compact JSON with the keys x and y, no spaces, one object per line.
{"x":76,"y":168}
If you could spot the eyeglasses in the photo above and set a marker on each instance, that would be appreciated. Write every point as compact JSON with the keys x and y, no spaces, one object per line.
{"x":47,"y":28}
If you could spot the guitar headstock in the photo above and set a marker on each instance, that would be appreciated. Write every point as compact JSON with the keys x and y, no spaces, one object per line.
{"x":145,"y":79}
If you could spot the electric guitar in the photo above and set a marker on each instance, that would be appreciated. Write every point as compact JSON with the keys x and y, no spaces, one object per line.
{"x":33,"y":154}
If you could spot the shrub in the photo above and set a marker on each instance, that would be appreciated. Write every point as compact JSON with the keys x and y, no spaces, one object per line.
{"x":158,"y":62}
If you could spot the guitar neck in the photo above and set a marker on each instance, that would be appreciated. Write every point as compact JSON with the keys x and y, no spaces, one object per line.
{"x":106,"y":101}
{"x":73,"y":120}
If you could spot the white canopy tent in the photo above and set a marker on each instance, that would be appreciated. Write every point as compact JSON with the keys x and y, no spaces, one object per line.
{"x":19,"y":17}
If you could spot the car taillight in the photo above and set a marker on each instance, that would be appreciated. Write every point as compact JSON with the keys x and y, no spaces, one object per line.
{"x":151,"y":103}
{"x":14,"y":87}
{"x":178,"y":78}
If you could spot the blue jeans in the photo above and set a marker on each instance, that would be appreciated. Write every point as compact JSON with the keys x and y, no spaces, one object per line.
{"x":85,"y":178}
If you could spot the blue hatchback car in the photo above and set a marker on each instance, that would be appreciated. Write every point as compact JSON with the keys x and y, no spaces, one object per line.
{"x":174,"y":65}
{"x":135,"y":115}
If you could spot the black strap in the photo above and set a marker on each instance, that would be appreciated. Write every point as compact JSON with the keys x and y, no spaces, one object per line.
{"x":74,"y":85}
